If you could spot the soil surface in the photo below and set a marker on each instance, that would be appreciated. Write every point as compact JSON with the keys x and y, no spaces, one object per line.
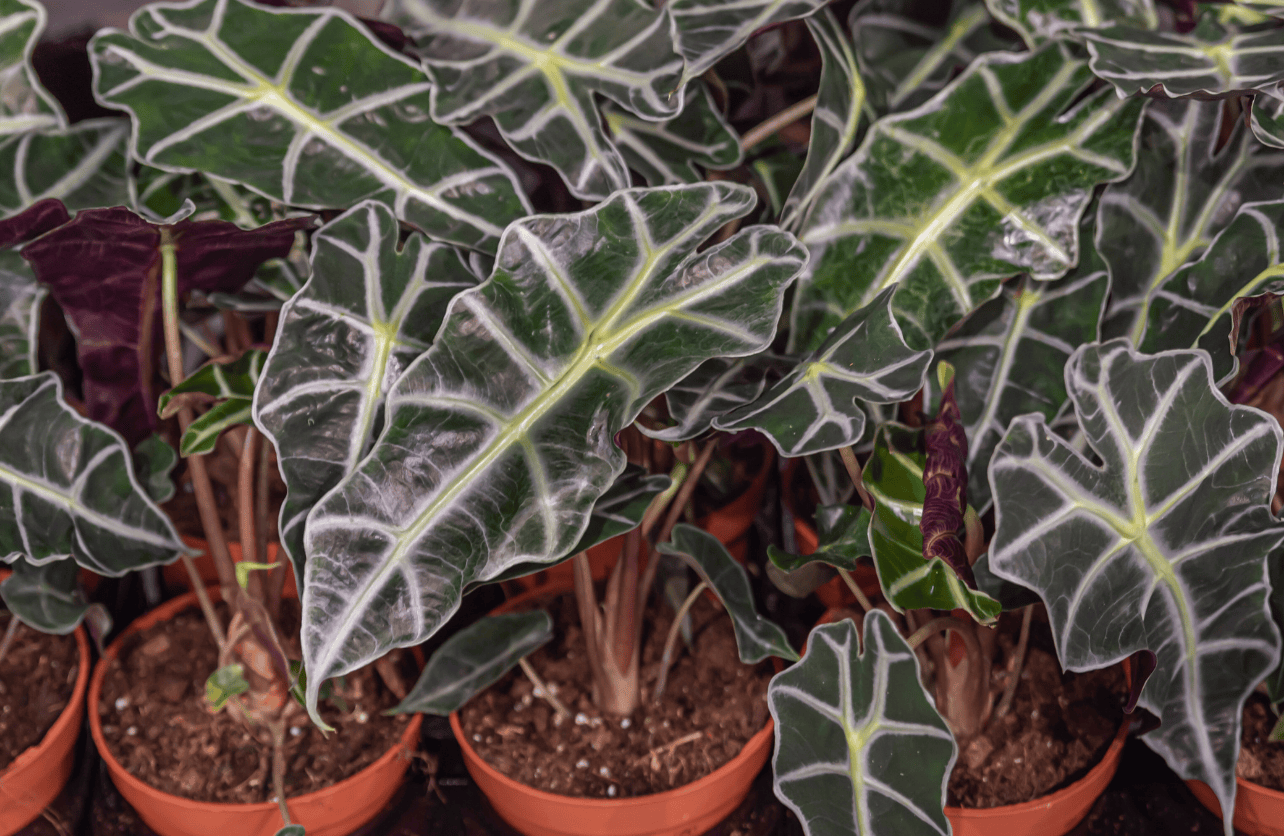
{"x":213,"y":757}
{"x":37,"y":678}
{"x":712,"y":705}
{"x":1261,"y":760}
{"x":1059,"y":726}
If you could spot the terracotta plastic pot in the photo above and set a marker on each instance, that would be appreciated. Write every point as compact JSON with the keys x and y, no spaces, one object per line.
{"x":1258,"y":811}
{"x":176,"y":576}
{"x":336,"y":810}
{"x":686,"y":811}
{"x":37,"y":775}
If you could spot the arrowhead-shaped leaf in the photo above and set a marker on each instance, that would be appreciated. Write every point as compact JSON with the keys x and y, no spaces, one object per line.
{"x":905,"y":62}
{"x":20,"y":297}
{"x":369,"y":309}
{"x":498,"y":440}
{"x":1212,"y":61}
{"x":815,"y":407}
{"x":537,"y":67}
{"x":1185,"y":188}
{"x":302,"y":106}
{"x":474,"y":659}
{"x":86,"y":166}
{"x":70,"y":489}
{"x":1161,"y":547}
{"x":45,"y":597}
{"x":103,"y":268}
{"x":715,"y":388}
{"x":986,"y":180}
{"x":756,"y":637}
{"x":1010,"y":355}
{"x":836,"y":119}
{"x":1039,"y":20}
{"x":674,"y":151}
{"x":26,"y":105}
{"x":707,"y":30}
{"x":860,"y":749}
{"x":894,"y":477}
{"x":1195,"y":307}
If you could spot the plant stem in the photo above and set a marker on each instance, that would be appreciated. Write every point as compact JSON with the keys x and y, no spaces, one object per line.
{"x":590,"y":620}
{"x":855,"y":589}
{"x":853,"y":470}
{"x":1018,"y":661}
{"x":210,"y":522}
{"x":542,"y":691}
{"x":9,"y":633}
{"x":946,"y":622}
{"x":245,"y":510}
{"x":672,"y":639}
{"x":274,"y":581}
{"x":774,"y":123}
{"x":676,"y":505}
{"x":278,"y":767}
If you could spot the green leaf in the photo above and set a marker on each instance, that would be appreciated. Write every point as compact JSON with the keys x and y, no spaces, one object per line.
{"x":842,"y":540}
{"x":202,"y":434}
{"x":232,"y":380}
{"x":303,"y":107}
{"x":46,"y":597}
{"x":86,"y":166}
{"x":20,"y":298}
{"x":1161,"y":547}
{"x":1184,"y":190}
{"x":777,"y":172}
{"x":894,"y":477}
{"x":537,"y":67}
{"x":225,"y":683}
{"x":905,"y":62}
{"x":1039,"y":20}
{"x":815,"y":407}
{"x":675,"y":150}
{"x":26,"y":105}
{"x":835,"y":122}
{"x":1212,"y":61}
{"x":474,"y":659}
{"x":715,"y":388}
{"x":1196,"y":306}
{"x":860,"y":749}
{"x":707,"y":30}
{"x":71,"y":490}
{"x":1011,"y":354}
{"x":1275,"y":682}
{"x":368,"y":310}
{"x":501,"y":435}
{"x":154,"y":459}
{"x":756,"y":637}
{"x":292,"y":830}
{"x":986,"y":180}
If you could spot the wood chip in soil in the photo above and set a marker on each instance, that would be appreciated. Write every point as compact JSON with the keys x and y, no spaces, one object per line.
{"x":37,"y":678}
{"x":713,"y":704}
{"x":1261,"y":760}
{"x":156,"y":723}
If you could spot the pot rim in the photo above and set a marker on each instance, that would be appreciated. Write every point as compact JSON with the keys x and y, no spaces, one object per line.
{"x":166,"y":611}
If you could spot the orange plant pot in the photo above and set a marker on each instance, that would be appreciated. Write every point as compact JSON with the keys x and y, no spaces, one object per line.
{"x":176,"y":576}
{"x":686,"y":811}
{"x":37,"y":775}
{"x":1259,"y":811}
{"x":336,"y":810}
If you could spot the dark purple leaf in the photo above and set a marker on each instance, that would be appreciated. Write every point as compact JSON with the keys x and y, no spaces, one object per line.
{"x":945,"y":480}
{"x":35,"y":220}
{"x":1140,"y":666}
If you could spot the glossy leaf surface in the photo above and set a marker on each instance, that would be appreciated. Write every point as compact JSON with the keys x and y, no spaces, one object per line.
{"x":1040,"y":20}
{"x":368,"y":310}
{"x":85,"y":166}
{"x":216,"y":381}
{"x":842,"y":539}
{"x":45,"y":597}
{"x":707,"y":30}
{"x":20,"y":297}
{"x":860,"y":749}
{"x":154,"y":459}
{"x":499,"y":439}
{"x":69,"y":488}
{"x":675,"y":150}
{"x":255,"y":95}
{"x":26,"y":105}
{"x":715,"y":388}
{"x":986,"y":180}
{"x":756,"y":637}
{"x":537,"y":67}
{"x":816,"y":407}
{"x":475,"y":658}
{"x":1161,"y":547}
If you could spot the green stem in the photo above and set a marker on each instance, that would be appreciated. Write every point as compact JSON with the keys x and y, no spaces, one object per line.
{"x":671,"y":640}
{"x":855,"y":589}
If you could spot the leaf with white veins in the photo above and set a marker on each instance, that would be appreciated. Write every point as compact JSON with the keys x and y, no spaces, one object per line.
{"x":498,"y":440}
{"x":45,"y":597}
{"x":25,"y":105}
{"x":86,"y":166}
{"x":986,"y":180}
{"x":215,"y":381}
{"x":369,"y":309}
{"x":537,"y":66}
{"x":1039,"y":20}
{"x":817,"y":406}
{"x":255,"y":95}
{"x":715,"y":388}
{"x":20,"y":298}
{"x":1161,"y":547}
{"x":860,"y":748}
{"x":708,"y":30}
{"x":674,"y":151}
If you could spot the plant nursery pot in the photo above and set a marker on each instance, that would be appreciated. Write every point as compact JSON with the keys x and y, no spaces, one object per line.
{"x":1259,"y":811}
{"x":176,"y":576}
{"x":686,"y":811}
{"x":336,"y":810}
{"x":37,"y":775}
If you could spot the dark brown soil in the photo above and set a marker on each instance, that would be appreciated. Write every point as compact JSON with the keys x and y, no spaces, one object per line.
{"x":1261,"y":760}
{"x":37,"y":678}
{"x":1059,"y":727}
{"x":711,"y":695}
{"x":156,"y":723}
